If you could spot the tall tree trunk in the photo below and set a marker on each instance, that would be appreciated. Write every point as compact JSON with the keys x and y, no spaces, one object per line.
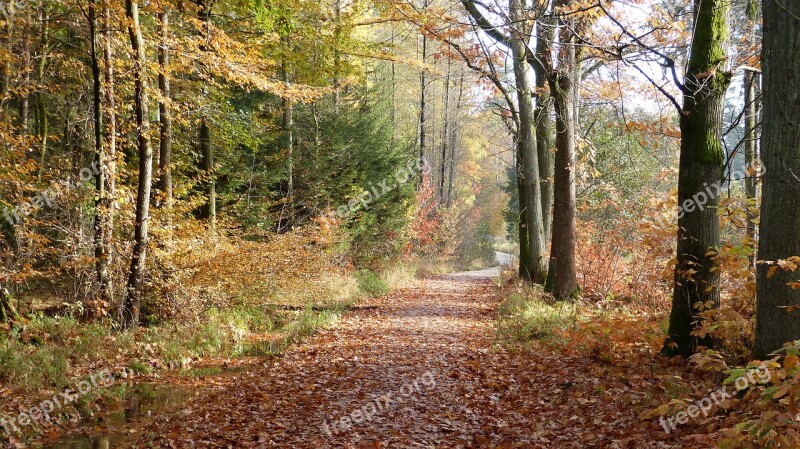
{"x":5,"y":70}
{"x":102,"y":203}
{"x":24,"y":101}
{"x":42,"y":123}
{"x":209,"y":209}
{"x":454,"y":145}
{"x":130,"y":312}
{"x":423,"y":86}
{"x":288,"y":129}
{"x":751,"y":181}
{"x":393,"y":68}
{"x":751,"y":78}
{"x":543,"y":126}
{"x":777,"y":319}
{"x":109,"y":166}
{"x":445,"y":135}
{"x":562,"y":274}
{"x":526,"y":140}
{"x":165,"y":118}
{"x":701,"y":168}
{"x":522,"y":227}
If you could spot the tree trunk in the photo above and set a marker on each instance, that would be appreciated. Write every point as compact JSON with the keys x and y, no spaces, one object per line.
{"x":288,"y":129}
{"x":454,"y":145}
{"x":102,"y":203}
{"x":24,"y":101}
{"x":445,"y":136}
{"x":526,"y":140}
{"x":701,"y":168}
{"x":209,"y":210}
{"x":543,"y":125}
{"x":109,"y":166}
{"x":165,"y":118}
{"x":41,"y":108}
{"x":423,"y":81}
{"x":130,"y":312}
{"x":751,"y":181}
{"x":8,"y":314}
{"x":562,"y":276}
{"x":777,"y":319}
{"x":5,"y":71}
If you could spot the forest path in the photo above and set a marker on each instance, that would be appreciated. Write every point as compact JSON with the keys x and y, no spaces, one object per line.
{"x":422,"y":370}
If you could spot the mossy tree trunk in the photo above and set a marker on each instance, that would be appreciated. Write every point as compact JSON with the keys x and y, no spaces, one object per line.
{"x":562,"y":273}
{"x":531,"y":201}
{"x":701,"y":168}
{"x":8,"y":313}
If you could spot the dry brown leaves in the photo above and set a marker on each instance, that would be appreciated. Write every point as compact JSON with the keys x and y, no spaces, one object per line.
{"x":484,"y":396}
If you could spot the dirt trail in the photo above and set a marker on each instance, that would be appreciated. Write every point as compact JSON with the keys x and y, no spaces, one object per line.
{"x":421,"y":370}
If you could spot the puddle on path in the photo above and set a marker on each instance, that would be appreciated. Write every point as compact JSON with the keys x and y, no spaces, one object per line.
{"x":112,"y":429}
{"x":139,"y":402}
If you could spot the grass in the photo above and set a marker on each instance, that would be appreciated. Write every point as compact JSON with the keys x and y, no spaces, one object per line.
{"x":50,"y":352}
{"x":372,"y":284}
{"x":528,"y":315}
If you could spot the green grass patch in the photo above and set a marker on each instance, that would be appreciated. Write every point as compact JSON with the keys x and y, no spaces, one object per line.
{"x":529,"y":316}
{"x":371,"y":283}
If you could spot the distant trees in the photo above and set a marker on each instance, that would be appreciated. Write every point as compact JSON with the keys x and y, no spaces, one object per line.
{"x":533,"y":250}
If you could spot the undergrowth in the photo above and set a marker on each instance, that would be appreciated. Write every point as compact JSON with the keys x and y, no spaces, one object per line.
{"x":619,"y":336}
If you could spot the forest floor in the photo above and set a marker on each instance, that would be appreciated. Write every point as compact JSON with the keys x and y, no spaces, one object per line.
{"x":424,"y":368}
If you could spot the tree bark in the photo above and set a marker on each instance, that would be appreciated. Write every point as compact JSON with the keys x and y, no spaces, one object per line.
{"x":24,"y":101}
{"x":131,"y":309}
{"x":700,"y":169}
{"x":102,"y":202}
{"x":42,"y":123}
{"x":288,"y":129}
{"x":423,"y":81}
{"x":209,"y":210}
{"x":526,"y":140}
{"x":109,"y":166}
{"x":543,"y":127}
{"x":562,"y":274}
{"x":165,"y":119}
{"x":751,"y":181}
{"x":445,"y":136}
{"x":454,"y":139}
{"x":777,"y":319}
{"x":8,"y":313}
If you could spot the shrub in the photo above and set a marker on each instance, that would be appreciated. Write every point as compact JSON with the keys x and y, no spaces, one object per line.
{"x":371,"y":284}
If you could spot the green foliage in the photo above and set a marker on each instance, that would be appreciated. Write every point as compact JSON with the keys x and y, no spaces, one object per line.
{"x":371,"y":283}
{"x":478,"y":251}
{"x":527,"y":316}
